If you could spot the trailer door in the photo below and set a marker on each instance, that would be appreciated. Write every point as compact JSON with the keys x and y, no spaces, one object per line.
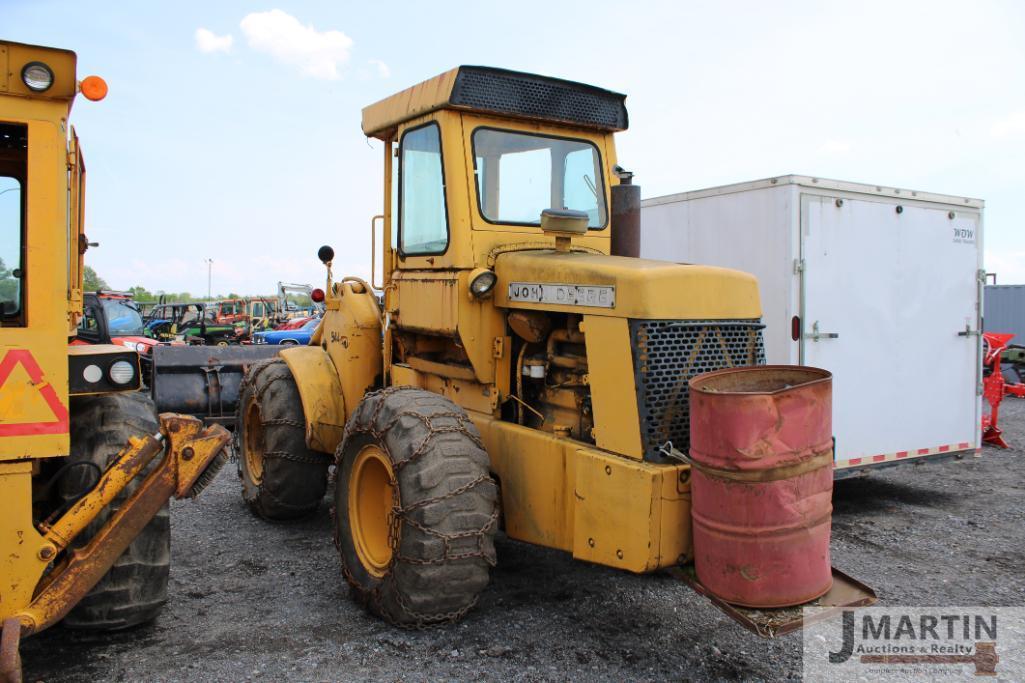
{"x":888,"y":294}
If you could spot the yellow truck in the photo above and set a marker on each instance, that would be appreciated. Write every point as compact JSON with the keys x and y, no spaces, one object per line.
{"x":86,"y":464}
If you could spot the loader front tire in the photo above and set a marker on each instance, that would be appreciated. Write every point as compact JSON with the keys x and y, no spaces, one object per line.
{"x":135,"y":588}
{"x":415,"y":508}
{"x":281,"y":477}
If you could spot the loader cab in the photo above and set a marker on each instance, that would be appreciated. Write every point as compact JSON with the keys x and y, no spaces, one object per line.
{"x":473,"y":174}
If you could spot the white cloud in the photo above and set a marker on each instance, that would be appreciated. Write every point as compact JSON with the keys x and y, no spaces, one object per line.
{"x":1011,"y":126}
{"x":208,"y":41}
{"x":318,"y":54}
{"x":382,"y":69}
{"x":835,"y":147}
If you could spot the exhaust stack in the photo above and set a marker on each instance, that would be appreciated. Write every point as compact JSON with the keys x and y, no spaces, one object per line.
{"x":626,"y":216}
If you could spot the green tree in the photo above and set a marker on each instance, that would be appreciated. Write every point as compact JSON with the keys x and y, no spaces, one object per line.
{"x":140,"y":293}
{"x":92,"y":282}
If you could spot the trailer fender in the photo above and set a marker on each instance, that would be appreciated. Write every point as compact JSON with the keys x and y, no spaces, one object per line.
{"x":321,"y":394}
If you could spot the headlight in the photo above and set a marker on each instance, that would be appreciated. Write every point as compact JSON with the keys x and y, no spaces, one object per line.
{"x":122,"y":372}
{"x":482,"y":281}
{"x":92,"y":374}
{"x":141,"y":348}
{"x":37,"y":76}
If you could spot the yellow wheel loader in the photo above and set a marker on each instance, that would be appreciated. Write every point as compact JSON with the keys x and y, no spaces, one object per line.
{"x":526,"y":371}
{"x":86,"y":465}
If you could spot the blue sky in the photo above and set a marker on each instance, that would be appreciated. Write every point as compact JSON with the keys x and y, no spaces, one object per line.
{"x":248,"y":149}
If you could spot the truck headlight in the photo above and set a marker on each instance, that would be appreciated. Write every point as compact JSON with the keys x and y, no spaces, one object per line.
{"x":37,"y":77}
{"x":482,"y":281}
{"x":92,"y":374}
{"x":140,"y":347}
{"x":121,"y":372}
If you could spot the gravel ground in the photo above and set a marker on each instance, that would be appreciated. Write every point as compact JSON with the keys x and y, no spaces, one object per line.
{"x":265,"y":602}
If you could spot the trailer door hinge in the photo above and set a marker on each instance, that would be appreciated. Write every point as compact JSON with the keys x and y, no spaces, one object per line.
{"x":498,"y":347}
{"x":968,"y":331}
{"x":798,"y":266}
{"x":980,"y":275}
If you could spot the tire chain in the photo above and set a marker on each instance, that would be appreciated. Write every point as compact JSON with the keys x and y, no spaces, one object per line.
{"x":247,"y":378}
{"x":254,"y":370}
{"x":401,"y":515}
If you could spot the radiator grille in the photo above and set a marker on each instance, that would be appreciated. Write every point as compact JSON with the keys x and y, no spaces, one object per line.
{"x":667,"y":354}
{"x":509,"y":92}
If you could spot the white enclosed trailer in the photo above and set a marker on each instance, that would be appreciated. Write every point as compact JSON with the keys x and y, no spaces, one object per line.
{"x":880,"y":286}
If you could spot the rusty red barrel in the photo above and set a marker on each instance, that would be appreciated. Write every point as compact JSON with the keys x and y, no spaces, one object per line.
{"x":762,"y":483}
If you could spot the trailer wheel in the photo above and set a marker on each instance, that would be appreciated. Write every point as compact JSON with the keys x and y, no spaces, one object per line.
{"x":135,"y":588}
{"x":281,"y":477}
{"x":415,"y":509}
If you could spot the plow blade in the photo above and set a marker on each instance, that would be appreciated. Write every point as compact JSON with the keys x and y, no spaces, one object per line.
{"x":203,"y":381}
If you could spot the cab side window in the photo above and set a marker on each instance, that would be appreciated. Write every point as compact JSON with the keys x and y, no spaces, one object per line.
{"x":423,"y":218}
{"x":13,"y":145}
{"x":89,"y":325}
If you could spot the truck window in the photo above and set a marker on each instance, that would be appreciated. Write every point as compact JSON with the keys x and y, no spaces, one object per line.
{"x":13,"y":162}
{"x":10,"y":246}
{"x":519,"y":175}
{"x":423,"y":221}
{"x":89,"y":324}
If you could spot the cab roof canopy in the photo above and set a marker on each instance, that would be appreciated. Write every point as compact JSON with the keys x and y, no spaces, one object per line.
{"x":498,"y":91}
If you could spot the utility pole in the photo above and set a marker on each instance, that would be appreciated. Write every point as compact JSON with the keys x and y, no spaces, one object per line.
{"x":209,"y":275}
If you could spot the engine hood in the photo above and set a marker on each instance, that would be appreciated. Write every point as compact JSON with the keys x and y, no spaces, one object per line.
{"x":623,"y":287}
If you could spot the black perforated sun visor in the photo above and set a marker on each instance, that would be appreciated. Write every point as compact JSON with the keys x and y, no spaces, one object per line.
{"x":512,"y":93}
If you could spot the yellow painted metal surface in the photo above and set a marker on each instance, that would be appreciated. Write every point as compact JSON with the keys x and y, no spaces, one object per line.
{"x":372,"y":499}
{"x":20,"y":543}
{"x":440,"y":303}
{"x":601,"y":507}
{"x":427,"y":301}
{"x":382,"y":118}
{"x":113,"y":482}
{"x":535,"y":472}
{"x":187,"y":450}
{"x":621,"y":516}
{"x":350,"y":332}
{"x":613,"y":389}
{"x":14,"y":57}
{"x":644,"y":288}
{"x":31,"y":423}
{"x":76,"y":230}
{"x":321,"y":393}
{"x":404,"y":376}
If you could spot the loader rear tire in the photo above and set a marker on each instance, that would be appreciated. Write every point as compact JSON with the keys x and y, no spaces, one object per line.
{"x":415,"y":508}
{"x":281,"y":477}
{"x":135,"y":588}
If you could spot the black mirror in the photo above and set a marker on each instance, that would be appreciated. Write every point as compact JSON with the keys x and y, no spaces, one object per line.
{"x":326,"y":254}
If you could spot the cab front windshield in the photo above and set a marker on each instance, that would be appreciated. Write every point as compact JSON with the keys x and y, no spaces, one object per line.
{"x":519,"y":175}
{"x":123,"y":319}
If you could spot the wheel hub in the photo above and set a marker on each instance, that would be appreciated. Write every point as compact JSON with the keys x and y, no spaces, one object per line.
{"x":254,"y":443}
{"x":371,"y":499}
